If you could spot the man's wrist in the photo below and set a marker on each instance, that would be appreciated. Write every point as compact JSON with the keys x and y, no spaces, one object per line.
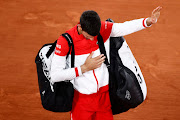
{"x":83,"y":68}
{"x":148,"y":22}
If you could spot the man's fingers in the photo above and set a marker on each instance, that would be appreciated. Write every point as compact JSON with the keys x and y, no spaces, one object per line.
{"x":91,"y":54}
{"x":154,"y":11}
{"x":158,"y":9}
{"x":98,"y":57}
{"x":155,"y":14}
{"x":101,"y":59}
{"x":100,"y":63}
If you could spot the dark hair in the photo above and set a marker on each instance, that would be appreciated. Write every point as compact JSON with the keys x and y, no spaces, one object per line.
{"x":90,"y":22}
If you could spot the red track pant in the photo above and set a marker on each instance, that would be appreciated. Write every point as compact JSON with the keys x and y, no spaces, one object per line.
{"x":95,"y":106}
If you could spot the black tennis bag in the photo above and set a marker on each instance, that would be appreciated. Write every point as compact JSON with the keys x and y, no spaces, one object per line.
{"x":127,"y":87}
{"x":56,"y":97}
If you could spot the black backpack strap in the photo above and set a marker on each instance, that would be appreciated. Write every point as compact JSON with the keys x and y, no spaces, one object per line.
{"x":51,"y":49}
{"x":115,"y":44}
{"x":101,"y":45}
{"x":71,"y":48}
{"x":112,"y":41}
{"x":102,"y":49}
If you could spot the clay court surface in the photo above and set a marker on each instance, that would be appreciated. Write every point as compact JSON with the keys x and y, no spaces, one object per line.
{"x":26,"y":25}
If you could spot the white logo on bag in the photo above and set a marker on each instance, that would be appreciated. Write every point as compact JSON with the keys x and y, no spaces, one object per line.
{"x":45,"y":67}
{"x":138,"y":75}
{"x":128,"y":95}
{"x":139,"y":78}
{"x":43,"y":92}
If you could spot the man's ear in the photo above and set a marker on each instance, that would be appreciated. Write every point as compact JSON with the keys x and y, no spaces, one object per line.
{"x":79,"y":29}
{"x":79,"y":26}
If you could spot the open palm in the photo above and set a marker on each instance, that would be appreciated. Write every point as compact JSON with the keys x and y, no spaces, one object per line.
{"x":155,"y":15}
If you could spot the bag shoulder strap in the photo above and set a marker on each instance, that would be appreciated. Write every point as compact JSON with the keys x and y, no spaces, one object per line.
{"x":102,"y":49}
{"x":116,"y":42}
{"x":71,"y":48}
{"x":101,"y":46}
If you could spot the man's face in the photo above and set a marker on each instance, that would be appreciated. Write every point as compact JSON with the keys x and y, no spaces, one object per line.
{"x":87,"y":36}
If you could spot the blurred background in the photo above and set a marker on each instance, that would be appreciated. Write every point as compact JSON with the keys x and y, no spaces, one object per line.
{"x":25,"y":25}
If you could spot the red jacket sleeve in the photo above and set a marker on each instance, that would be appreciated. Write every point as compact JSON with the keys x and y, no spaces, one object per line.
{"x":106,"y":28}
{"x":62,"y":46}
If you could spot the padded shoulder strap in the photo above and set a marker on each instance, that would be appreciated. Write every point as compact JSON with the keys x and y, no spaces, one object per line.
{"x":71,"y":48}
{"x":101,"y":46}
{"x":116,"y":42}
{"x":102,"y":49}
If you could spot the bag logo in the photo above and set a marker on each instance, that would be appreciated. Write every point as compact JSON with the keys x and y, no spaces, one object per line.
{"x":139,"y":78}
{"x":138,"y":75}
{"x":128,"y":95}
{"x":46,"y":71}
{"x":45,"y":67}
{"x":43,"y":92}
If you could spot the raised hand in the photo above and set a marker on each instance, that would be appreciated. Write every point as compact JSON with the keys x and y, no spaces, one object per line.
{"x":154,"y":16}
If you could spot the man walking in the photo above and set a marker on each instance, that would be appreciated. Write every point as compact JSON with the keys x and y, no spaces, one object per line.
{"x":90,"y":75}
